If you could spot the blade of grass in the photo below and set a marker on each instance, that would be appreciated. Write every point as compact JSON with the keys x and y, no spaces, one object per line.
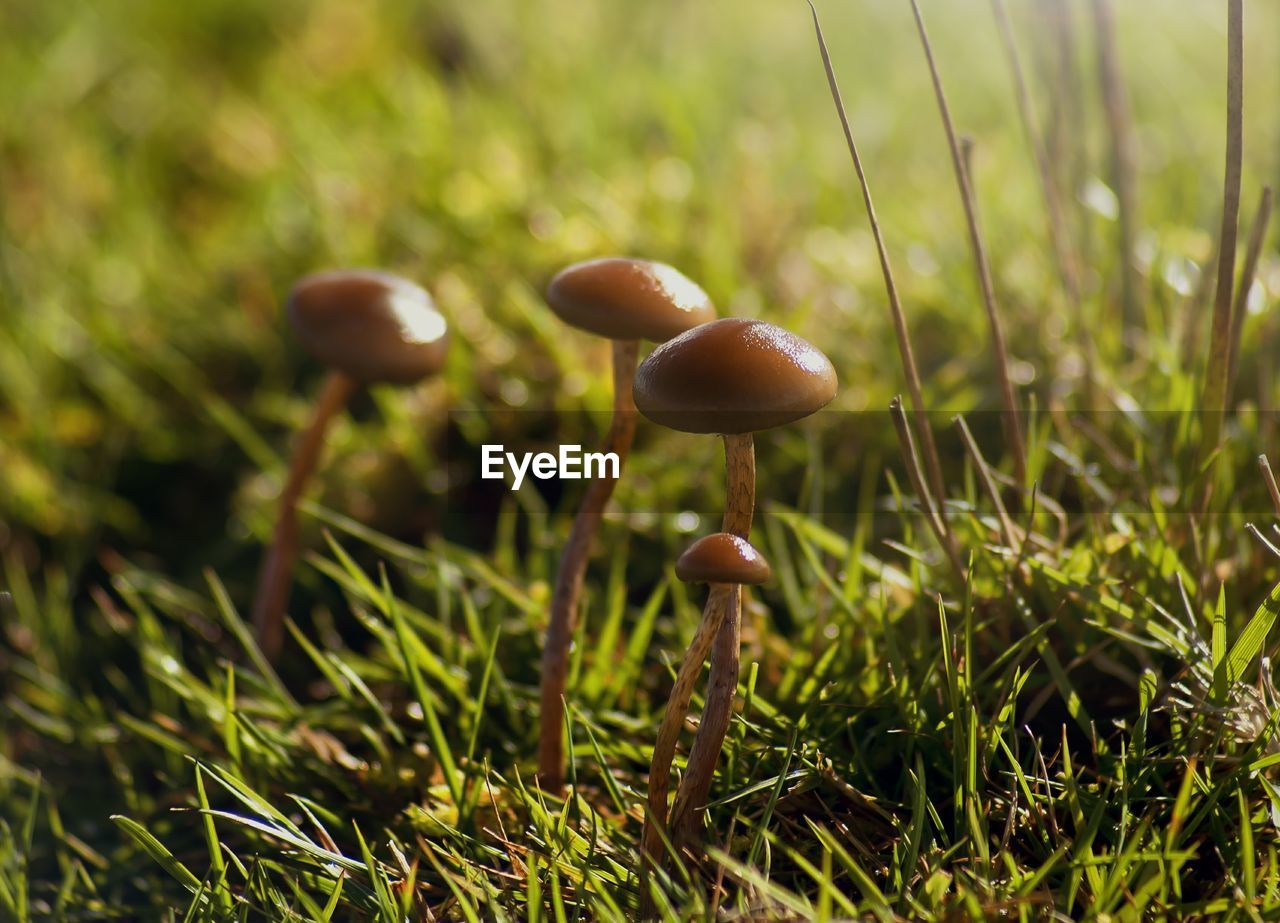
{"x":1250,"y":643}
{"x":426,"y":699}
{"x":231,"y":618}
{"x":158,"y":851}
{"x":217,"y":864}
{"x":1218,"y":648}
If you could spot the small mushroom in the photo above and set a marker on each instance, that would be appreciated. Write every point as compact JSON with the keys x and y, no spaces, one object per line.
{"x":367,"y":327}
{"x":723,"y":558}
{"x":624,"y":300}
{"x":726,"y":562}
{"x":732,"y":377}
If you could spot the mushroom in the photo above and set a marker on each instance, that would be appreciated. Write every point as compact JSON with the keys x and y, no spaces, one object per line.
{"x":624,"y":300}
{"x":726,"y":562}
{"x":367,"y":327}
{"x":732,"y":377}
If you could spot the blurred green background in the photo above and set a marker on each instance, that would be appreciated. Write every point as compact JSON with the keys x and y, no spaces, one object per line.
{"x":166,"y":171}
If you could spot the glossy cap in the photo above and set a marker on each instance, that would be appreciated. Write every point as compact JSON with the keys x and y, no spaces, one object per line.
{"x":722,"y":558}
{"x":733,"y":376}
{"x":372,"y":325}
{"x":625,"y":299}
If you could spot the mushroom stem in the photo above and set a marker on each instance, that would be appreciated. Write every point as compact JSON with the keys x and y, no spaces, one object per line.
{"x":573,"y":567}
{"x":664,"y":749}
{"x":740,"y":484}
{"x":722,"y":688}
{"x":277,"y":567}
{"x":722,"y":685}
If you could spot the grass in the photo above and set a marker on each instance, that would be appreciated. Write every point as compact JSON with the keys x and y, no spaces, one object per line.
{"x":1078,"y":720}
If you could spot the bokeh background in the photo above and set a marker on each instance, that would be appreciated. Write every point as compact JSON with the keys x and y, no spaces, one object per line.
{"x":166,"y":171}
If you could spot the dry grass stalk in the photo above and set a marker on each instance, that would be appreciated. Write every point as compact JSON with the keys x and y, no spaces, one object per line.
{"x":1068,"y":128}
{"x":1115,"y":102}
{"x":1270,"y":480}
{"x":1007,"y":528}
{"x":1012,"y":425}
{"x":1055,"y":215}
{"x":1257,"y":237}
{"x":905,"y":350}
{"x":1215,"y":386}
{"x":1059,"y":235}
{"x":932,"y":513}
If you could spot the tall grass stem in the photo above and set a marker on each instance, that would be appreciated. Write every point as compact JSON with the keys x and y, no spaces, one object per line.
{"x":906,"y":352}
{"x":1012,"y":425}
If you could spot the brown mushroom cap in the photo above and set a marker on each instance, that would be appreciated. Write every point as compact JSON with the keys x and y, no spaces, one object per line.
{"x":733,"y":376}
{"x":372,"y":325}
{"x":626,"y":299}
{"x":722,"y":558}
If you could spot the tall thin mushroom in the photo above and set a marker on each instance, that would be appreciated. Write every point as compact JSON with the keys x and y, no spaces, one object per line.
{"x":624,"y":300}
{"x":366,"y":327}
{"x":732,"y":377}
{"x":726,"y":562}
